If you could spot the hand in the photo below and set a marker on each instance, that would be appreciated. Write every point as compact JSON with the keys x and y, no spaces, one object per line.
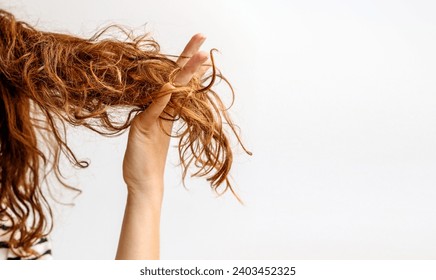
{"x":144,"y":165}
{"x":147,"y":147}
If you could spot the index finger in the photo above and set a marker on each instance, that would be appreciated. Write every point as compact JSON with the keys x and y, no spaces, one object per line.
{"x":191,"y":48}
{"x":190,"y":68}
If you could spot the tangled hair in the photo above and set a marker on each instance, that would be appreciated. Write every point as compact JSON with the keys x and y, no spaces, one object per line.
{"x":48,"y":80}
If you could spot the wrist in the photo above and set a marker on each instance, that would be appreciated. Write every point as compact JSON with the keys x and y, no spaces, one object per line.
{"x":150,"y":191}
{"x":144,"y":183}
{"x":142,"y":204}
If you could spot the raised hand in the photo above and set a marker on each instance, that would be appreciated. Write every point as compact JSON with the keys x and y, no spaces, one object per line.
{"x":144,"y":163}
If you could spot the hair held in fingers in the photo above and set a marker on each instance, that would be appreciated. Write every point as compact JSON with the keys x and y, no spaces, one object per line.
{"x":48,"y":80}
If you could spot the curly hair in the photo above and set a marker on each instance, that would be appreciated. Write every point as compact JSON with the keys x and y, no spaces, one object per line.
{"x":49,"y":80}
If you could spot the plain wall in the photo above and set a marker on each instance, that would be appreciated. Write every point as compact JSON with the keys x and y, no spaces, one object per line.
{"x":336,"y":99}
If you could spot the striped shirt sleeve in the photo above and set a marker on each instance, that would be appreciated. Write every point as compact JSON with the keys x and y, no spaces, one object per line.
{"x":42,"y":247}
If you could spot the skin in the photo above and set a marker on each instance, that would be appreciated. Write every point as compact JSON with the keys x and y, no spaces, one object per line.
{"x":144,"y":164}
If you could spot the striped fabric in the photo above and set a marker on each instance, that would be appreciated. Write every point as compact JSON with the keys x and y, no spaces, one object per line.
{"x":42,"y":247}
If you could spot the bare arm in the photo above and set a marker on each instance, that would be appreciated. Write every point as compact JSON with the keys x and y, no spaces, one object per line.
{"x":144,"y":164}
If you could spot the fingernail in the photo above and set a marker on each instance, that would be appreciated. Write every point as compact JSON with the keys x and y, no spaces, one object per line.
{"x":201,"y":36}
{"x":203,"y":55}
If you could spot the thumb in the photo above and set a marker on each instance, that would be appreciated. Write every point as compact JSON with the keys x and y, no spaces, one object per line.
{"x":156,"y":108}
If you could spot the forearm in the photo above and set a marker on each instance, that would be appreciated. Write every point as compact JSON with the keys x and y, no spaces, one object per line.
{"x":140,"y":232}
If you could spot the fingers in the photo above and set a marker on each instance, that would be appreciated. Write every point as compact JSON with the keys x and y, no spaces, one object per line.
{"x":152,"y":113}
{"x":190,"y":68}
{"x":191,"y":49}
{"x":191,"y":62}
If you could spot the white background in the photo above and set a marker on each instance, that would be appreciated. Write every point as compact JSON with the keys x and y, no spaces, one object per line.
{"x":336,"y":99}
